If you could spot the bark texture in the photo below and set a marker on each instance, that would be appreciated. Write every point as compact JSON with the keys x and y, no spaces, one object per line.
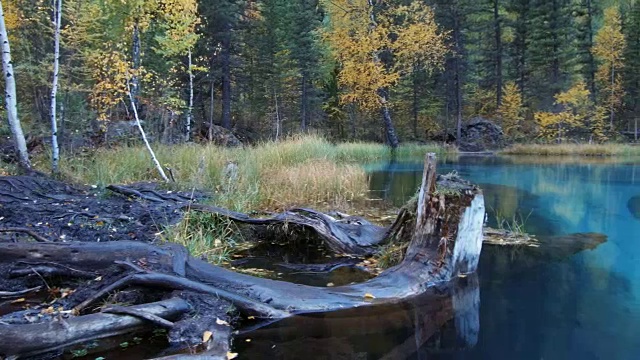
{"x":11,"y":98}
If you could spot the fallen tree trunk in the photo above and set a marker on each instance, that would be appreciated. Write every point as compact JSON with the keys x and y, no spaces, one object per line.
{"x":445,"y":241}
{"x":49,"y":336}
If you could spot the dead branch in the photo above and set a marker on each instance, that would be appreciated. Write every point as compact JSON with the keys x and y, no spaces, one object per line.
{"x":32,"y":339}
{"x":29,"y":232}
{"x":14,"y":294}
{"x":123,"y":310}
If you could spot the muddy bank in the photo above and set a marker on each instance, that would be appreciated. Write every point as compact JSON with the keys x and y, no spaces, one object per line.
{"x":61,"y":212}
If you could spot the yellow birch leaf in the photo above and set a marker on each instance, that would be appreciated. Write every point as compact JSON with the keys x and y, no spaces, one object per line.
{"x":206,"y":336}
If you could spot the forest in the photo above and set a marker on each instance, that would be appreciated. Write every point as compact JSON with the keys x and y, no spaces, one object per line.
{"x":321,"y":194}
{"x":385,"y":71}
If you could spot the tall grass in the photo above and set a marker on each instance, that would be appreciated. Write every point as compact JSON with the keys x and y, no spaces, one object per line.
{"x":574,"y":149}
{"x":206,"y":236}
{"x":301,"y":171}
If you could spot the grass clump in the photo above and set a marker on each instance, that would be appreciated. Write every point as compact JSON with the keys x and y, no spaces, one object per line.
{"x":391,"y":255}
{"x":206,"y":236}
{"x":573,"y":149}
{"x":516,"y":225}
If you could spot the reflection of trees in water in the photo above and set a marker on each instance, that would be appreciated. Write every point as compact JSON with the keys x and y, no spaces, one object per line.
{"x":536,"y":308}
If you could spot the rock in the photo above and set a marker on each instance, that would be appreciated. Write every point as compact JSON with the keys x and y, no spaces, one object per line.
{"x":480,"y":134}
{"x":35,"y":145}
{"x":224,"y":137}
{"x":634,"y":206}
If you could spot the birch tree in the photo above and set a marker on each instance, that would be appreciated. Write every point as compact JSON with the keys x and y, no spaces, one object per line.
{"x":10,"y":96}
{"x":376,"y":44}
{"x":134,"y":108}
{"x":55,"y":150}
{"x":179,"y":37}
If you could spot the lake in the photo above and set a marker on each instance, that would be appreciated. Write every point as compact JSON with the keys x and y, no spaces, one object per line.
{"x":583,"y":306}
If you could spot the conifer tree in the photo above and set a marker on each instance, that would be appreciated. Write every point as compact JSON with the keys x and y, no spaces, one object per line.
{"x":609,"y":50}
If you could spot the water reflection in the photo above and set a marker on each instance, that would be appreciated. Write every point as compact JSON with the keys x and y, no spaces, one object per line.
{"x":583,"y":306}
{"x":398,"y":331}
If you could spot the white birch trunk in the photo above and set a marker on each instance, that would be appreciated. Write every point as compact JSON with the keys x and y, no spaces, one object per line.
{"x":210,"y":135}
{"x":55,"y":150}
{"x":144,"y":136}
{"x":275,"y":97}
{"x":10,"y":96}
{"x":190,"y":110}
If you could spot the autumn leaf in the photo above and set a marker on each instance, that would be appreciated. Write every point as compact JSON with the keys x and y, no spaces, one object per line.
{"x":221,"y":322}
{"x":206,"y":336}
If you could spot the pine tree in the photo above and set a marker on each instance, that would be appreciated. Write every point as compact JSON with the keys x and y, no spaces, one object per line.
{"x":586,"y":12}
{"x":549,"y":50}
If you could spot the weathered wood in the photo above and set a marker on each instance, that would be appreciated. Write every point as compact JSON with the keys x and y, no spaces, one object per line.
{"x":339,"y":236}
{"x":26,"y":340}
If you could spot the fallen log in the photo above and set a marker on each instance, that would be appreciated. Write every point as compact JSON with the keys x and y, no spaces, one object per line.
{"x":27,"y":340}
{"x":444,"y":242}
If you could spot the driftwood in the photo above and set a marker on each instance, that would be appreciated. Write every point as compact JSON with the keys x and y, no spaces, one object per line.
{"x":445,"y":242}
{"x":62,"y":332}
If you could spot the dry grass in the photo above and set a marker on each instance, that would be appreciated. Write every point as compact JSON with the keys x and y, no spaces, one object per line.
{"x":301,"y":171}
{"x":573,"y":149}
{"x":317,"y":182}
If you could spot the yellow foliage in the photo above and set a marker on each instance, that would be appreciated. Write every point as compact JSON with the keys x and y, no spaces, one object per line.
{"x":479,"y":102}
{"x":179,"y":21}
{"x":578,"y":112}
{"x":110,"y":76}
{"x":360,"y":33}
{"x":511,"y":111}
{"x":608,"y":48}
{"x":12,"y":15}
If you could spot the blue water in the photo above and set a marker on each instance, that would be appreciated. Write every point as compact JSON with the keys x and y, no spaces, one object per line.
{"x":586,"y":306}
{"x":575,"y":306}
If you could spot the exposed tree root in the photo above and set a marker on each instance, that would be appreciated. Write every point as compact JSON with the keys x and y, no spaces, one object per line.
{"x":27,"y":340}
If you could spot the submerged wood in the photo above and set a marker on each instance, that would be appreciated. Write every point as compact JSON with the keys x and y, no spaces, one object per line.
{"x":445,"y":241}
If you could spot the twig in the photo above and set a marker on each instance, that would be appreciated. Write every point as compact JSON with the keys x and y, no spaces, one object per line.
{"x":102,"y":292}
{"x":130,"y":192}
{"x":12,"y":294}
{"x":41,"y":278}
{"x":131,"y":265}
{"x":51,"y":268}
{"x":29,"y":232}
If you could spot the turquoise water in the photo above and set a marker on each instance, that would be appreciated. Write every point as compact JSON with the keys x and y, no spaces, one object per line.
{"x":586,"y":306}
{"x":582,"y":305}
